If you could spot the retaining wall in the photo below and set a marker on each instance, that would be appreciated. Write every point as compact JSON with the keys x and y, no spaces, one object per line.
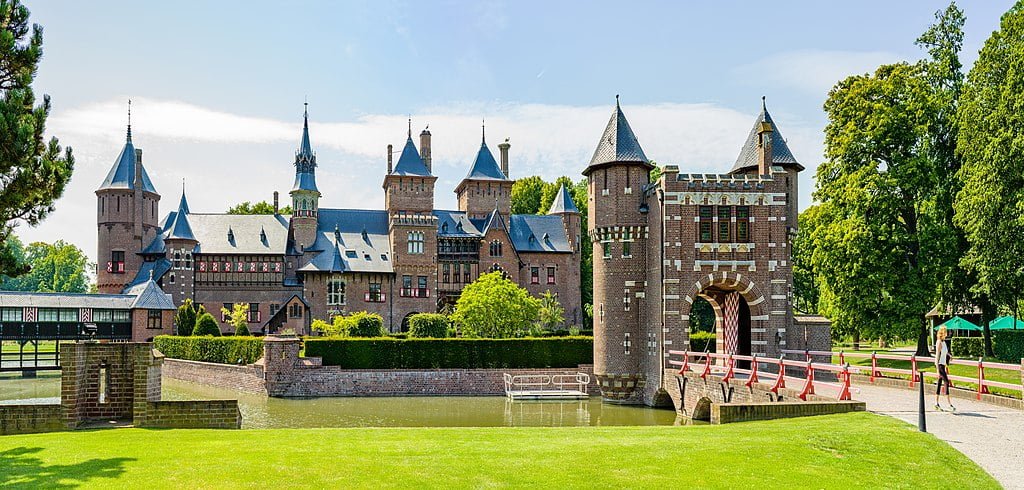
{"x":27,"y":419}
{"x":244,"y":378}
{"x":194,"y":414}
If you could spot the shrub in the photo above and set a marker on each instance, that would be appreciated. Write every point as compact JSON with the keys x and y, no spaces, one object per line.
{"x":702,"y":341}
{"x":185,"y":318}
{"x":389,"y":353}
{"x":363,"y":324}
{"x":969,"y":347}
{"x":495,"y":307}
{"x":326,"y":329}
{"x":551,"y":315}
{"x":223,"y":350}
{"x":206,"y":325}
{"x":1008,"y":345}
{"x":238,"y":317}
{"x":428,"y":325}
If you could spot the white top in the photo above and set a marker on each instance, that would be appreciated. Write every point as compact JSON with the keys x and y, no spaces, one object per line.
{"x":941,"y":352}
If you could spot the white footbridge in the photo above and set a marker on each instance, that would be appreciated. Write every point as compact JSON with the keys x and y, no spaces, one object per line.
{"x":547,"y":386}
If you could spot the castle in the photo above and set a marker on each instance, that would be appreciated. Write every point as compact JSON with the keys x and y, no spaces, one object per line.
{"x":319,"y":262}
{"x":660,"y":245}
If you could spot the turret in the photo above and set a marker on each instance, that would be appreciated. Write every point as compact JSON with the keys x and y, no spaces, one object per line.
{"x":485,"y":185}
{"x":180,"y":244}
{"x":409,"y":186}
{"x":304,"y":193}
{"x":564,"y":207}
{"x":617,"y":226}
{"x":126,"y":217}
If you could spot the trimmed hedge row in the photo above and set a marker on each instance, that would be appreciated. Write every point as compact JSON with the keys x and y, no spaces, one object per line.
{"x":222,"y":350}
{"x":1008,"y":345}
{"x":969,"y":347}
{"x":702,"y":341}
{"x":390,"y":353}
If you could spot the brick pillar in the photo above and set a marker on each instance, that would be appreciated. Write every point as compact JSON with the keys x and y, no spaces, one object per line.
{"x":146,"y":372}
{"x":280,"y":360}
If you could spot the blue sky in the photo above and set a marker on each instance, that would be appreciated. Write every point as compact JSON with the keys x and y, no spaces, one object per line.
{"x":218,"y":86}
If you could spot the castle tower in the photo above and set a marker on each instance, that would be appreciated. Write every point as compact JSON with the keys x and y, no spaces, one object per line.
{"x":126,"y":218}
{"x":485,"y":184}
{"x":304,"y":193}
{"x":180,"y":245}
{"x":564,"y":207}
{"x":617,"y":226}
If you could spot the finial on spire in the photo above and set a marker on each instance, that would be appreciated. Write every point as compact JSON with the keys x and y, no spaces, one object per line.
{"x":129,"y":119}
{"x":410,"y":126}
{"x":483,"y":131}
{"x":305,"y":113}
{"x":764,"y":106}
{"x":616,"y":100}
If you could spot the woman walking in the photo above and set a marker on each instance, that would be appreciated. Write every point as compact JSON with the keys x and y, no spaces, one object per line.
{"x":942,"y":358}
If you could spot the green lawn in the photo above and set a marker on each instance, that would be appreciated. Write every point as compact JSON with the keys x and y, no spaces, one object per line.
{"x":1000,"y":375}
{"x":44,"y":346}
{"x":858,"y":450}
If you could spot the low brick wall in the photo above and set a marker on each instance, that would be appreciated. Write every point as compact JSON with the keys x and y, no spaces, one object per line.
{"x":333,"y":381}
{"x":725,"y":413}
{"x":194,"y":414}
{"x":244,"y":378}
{"x":27,"y":419}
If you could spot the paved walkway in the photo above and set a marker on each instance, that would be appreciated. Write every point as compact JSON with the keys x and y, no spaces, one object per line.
{"x":990,"y":435}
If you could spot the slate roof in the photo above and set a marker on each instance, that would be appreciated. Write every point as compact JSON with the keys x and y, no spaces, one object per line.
{"x":618,"y":144}
{"x":455,"y":224}
{"x":327,"y":261}
{"x":410,"y":163}
{"x":179,"y":227}
{"x":781,"y":155}
{"x":148,"y":295}
{"x":563,"y":202}
{"x":305,"y":161}
{"x":65,"y":300}
{"x":362,"y":241}
{"x":122,"y":174}
{"x":484,"y":166}
{"x":250,"y":234}
{"x":158,"y":268}
{"x":538,"y":233}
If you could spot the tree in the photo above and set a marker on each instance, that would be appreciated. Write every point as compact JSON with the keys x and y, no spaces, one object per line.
{"x":551,"y":315}
{"x":57,"y":267}
{"x":185,"y":318}
{"x":206,"y":325}
{"x":805,"y":280}
{"x":495,"y":307}
{"x":989,"y":206}
{"x":526,"y":195}
{"x":238,"y":317}
{"x":33,"y":173}
{"x":262,"y":207}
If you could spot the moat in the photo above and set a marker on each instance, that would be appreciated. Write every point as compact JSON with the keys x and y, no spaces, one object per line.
{"x":260,"y":412}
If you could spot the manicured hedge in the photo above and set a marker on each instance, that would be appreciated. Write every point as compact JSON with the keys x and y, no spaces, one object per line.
{"x":222,"y":350}
{"x":702,"y":341}
{"x":390,"y":353}
{"x":968,"y":347}
{"x":428,"y":326}
{"x":1008,"y":345}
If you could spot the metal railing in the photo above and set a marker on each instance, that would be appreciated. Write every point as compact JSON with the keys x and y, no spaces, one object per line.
{"x":546,"y":382}
{"x":726,"y":368}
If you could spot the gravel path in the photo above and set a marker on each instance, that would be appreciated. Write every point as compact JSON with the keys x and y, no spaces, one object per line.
{"x":990,"y":435}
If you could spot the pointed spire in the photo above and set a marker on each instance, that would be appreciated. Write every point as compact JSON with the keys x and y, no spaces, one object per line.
{"x":183,"y":204}
{"x":129,"y":120}
{"x":618,"y":144}
{"x":122,"y":174}
{"x":410,"y":162}
{"x":410,"y":127}
{"x":781,"y":154}
{"x":305,"y":149}
{"x":305,"y":159}
{"x":180,"y":228}
{"x":563,"y":202}
{"x":483,"y":131}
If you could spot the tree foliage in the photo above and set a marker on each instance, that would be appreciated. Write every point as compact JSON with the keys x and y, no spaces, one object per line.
{"x":805,"y":280}
{"x":56,"y":267}
{"x":262,"y":207}
{"x":551,"y":315}
{"x":238,"y":317}
{"x":185,"y":318}
{"x":33,"y":172}
{"x":526,"y":195}
{"x":206,"y":325}
{"x":495,"y":307}
{"x":990,"y":204}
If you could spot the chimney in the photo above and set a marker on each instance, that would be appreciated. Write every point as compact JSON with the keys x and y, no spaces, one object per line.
{"x":503,"y":147}
{"x":425,"y":147}
{"x":390,"y":148}
{"x":276,"y":208}
{"x":764,"y":147}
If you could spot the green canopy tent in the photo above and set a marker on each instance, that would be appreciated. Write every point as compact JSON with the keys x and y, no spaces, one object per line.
{"x":1005,"y":323}
{"x":957,"y":323}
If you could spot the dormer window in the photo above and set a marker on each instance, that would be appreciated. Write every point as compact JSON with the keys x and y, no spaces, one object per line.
{"x":351,"y":254}
{"x":231,"y":235}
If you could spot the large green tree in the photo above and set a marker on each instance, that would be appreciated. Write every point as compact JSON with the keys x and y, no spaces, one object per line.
{"x":33,"y":172}
{"x":495,"y":307}
{"x":805,"y":279}
{"x":990,"y":204}
{"x":56,"y":267}
{"x":526,"y":195}
{"x":262,"y":207}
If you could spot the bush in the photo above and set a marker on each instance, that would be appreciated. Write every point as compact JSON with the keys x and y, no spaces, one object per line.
{"x":702,"y":341}
{"x":1008,"y":345}
{"x":185,"y":318}
{"x":428,"y":325}
{"x":363,"y":324}
{"x":222,"y":350}
{"x":969,"y":347}
{"x":495,"y":307}
{"x":390,"y":353}
{"x":206,"y":325}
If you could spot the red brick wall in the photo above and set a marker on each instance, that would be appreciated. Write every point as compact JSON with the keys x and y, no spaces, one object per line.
{"x":140,"y":325}
{"x":28,"y":419}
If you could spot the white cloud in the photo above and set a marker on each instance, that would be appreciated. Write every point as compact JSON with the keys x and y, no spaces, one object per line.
{"x":814,"y":70}
{"x":228,"y":158}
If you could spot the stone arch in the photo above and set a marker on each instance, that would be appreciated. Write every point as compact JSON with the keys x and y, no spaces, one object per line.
{"x":755,"y":316}
{"x":735,"y":281}
{"x":702,"y":410}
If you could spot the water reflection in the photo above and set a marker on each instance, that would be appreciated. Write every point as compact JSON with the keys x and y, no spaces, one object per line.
{"x":262,"y":412}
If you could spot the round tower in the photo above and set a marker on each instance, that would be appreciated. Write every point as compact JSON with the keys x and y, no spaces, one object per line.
{"x":617,"y":227}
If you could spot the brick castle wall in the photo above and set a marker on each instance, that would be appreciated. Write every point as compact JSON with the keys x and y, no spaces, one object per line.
{"x":194,"y":414}
{"x":28,"y":419}
{"x":243,"y":378}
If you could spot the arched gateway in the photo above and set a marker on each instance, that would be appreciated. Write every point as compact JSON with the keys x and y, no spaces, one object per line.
{"x":660,"y":245}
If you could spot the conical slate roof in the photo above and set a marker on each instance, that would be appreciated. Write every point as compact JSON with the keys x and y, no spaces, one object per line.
{"x":149,"y":296}
{"x":179,"y":228}
{"x":305,"y":161}
{"x":484,"y":166}
{"x":781,"y":155}
{"x":618,"y":144}
{"x":563,"y":202}
{"x":410,"y":163}
{"x":122,"y":174}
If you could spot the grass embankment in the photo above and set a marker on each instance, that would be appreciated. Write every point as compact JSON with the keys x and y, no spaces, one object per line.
{"x":1001,"y":375}
{"x":838,"y":451}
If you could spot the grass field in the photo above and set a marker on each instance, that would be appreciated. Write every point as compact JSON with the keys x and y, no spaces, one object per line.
{"x":44,"y":346}
{"x":839,"y":451}
{"x":1001,"y":375}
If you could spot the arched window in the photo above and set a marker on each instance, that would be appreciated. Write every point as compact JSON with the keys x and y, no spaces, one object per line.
{"x":335,"y":291}
{"x":496,"y":248}
{"x":415,"y":239}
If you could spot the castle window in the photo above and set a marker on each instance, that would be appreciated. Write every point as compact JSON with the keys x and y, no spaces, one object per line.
{"x":116,"y":264}
{"x":375,"y":295}
{"x":172,"y":278}
{"x":627,"y":250}
{"x":274,"y":307}
{"x":295,"y":310}
{"x":421,"y":289}
{"x":743,"y":224}
{"x":188,"y":260}
{"x":606,"y":247}
{"x":335,"y":291}
{"x":551,"y":275}
{"x":254,"y":313}
{"x":468,"y":276}
{"x":724,"y":224}
{"x":14,"y":315}
{"x":496,"y":248}
{"x":415,"y":239}
{"x":706,"y":214}
{"x":445,"y":273}
{"x":225,"y":312}
{"x":534,"y":275}
{"x":153,"y":319}
{"x":177,"y":259}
